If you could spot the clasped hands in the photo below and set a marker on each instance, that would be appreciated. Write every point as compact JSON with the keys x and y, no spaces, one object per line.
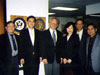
{"x":67,"y":61}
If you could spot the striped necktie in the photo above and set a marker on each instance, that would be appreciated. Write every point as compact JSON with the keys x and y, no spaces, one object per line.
{"x":14,"y":43}
{"x":54,"y":38}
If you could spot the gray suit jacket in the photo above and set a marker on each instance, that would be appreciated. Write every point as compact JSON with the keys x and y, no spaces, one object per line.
{"x":95,"y":54}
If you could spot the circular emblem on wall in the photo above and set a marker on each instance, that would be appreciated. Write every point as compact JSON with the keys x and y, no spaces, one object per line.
{"x":40,"y":25}
{"x":19,"y":24}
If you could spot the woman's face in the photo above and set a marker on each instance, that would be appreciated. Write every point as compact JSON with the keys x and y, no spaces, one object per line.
{"x":70,"y":29}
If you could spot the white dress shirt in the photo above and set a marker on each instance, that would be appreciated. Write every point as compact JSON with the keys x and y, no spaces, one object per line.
{"x":68,"y":38}
{"x":80,"y":34}
{"x":14,"y":52}
{"x":32,"y":35}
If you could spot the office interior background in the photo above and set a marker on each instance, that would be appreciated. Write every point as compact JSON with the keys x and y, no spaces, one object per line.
{"x":87,"y":9}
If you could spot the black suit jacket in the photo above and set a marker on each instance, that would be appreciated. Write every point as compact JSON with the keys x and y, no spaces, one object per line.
{"x":29,"y":52}
{"x":2,"y":51}
{"x":82,"y":51}
{"x":49,"y":51}
{"x":6,"y":47}
{"x":72,"y":48}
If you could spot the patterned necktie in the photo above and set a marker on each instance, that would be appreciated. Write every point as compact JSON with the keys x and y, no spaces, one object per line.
{"x":54,"y":38}
{"x":14,"y":43}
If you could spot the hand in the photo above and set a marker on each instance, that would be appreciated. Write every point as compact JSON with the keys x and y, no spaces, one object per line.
{"x":69,"y":61}
{"x":22,"y":61}
{"x":40,"y":59}
{"x":64,"y":60}
{"x":61,"y":60}
{"x":45,"y":61}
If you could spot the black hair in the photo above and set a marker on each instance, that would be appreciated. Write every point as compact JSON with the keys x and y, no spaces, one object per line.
{"x":92,"y":24}
{"x":79,"y":19}
{"x":31,"y":17}
{"x":67,"y":25}
{"x":9,"y":22}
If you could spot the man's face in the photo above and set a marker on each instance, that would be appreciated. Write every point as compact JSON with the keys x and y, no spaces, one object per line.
{"x":31,"y":23}
{"x":79,"y":25}
{"x":53,"y":24}
{"x":91,"y":31}
{"x":10,"y":28}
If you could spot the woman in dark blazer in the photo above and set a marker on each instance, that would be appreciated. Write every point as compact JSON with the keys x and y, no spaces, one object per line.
{"x":70,"y":53}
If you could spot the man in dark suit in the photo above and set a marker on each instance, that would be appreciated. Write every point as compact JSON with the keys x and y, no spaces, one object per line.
{"x":10,"y":49}
{"x":51,"y":48}
{"x":2,"y":55}
{"x":93,"y":51}
{"x":82,"y":37}
{"x":30,"y":47}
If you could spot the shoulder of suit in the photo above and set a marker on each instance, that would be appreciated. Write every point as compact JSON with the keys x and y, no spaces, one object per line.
{"x":45,"y":31}
{"x":3,"y":36}
{"x":37,"y":30}
{"x":98,"y":36}
{"x":75,"y":36}
{"x":59,"y":31}
{"x":24,"y":30}
{"x":85,"y":32}
{"x":16,"y":35}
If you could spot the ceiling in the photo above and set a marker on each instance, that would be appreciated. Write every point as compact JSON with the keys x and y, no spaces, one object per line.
{"x":80,"y":4}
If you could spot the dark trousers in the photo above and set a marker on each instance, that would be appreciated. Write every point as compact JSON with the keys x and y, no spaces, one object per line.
{"x":90,"y":71}
{"x":31,"y":69}
{"x":13,"y":66}
{"x":3,"y":70}
{"x":52,"y":68}
{"x":70,"y":69}
{"x":93,"y":73}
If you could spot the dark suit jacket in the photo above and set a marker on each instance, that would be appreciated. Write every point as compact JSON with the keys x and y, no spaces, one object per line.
{"x":6,"y":47}
{"x":2,"y":51}
{"x":49,"y":51}
{"x":82,"y":51}
{"x":29,"y":52}
{"x":71,"y":48}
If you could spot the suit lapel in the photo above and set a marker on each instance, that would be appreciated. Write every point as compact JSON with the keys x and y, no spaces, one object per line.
{"x":35,"y":34}
{"x":28,"y":36}
{"x":83,"y":36}
{"x":49,"y":36}
{"x":8,"y":45}
{"x":87,"y":45}
{"x":95,"y":43}
{"x":57,"y":36}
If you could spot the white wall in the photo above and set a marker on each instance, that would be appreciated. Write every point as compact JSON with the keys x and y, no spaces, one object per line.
{"x":38,"y":8}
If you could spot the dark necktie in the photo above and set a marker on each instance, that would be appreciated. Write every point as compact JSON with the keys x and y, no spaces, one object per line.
{"x":14,"y":43}
{"x":54,"y":38}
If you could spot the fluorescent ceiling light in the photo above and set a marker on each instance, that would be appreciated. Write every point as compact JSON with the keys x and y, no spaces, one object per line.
{"x":95,"y":15}
{"x":51,"y":13}
{"x":64,"y":8}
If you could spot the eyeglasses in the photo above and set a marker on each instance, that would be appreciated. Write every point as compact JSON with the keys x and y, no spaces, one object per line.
{"x":54,"y":23}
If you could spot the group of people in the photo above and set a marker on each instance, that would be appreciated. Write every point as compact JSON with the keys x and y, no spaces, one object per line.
{"x":74,"y":51}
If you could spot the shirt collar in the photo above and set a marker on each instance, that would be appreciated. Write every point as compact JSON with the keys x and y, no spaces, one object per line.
{"x":81,"y":31}
{"x":30,"y":29}
{"x":10,"y":34}
{"x":51,"y":30}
